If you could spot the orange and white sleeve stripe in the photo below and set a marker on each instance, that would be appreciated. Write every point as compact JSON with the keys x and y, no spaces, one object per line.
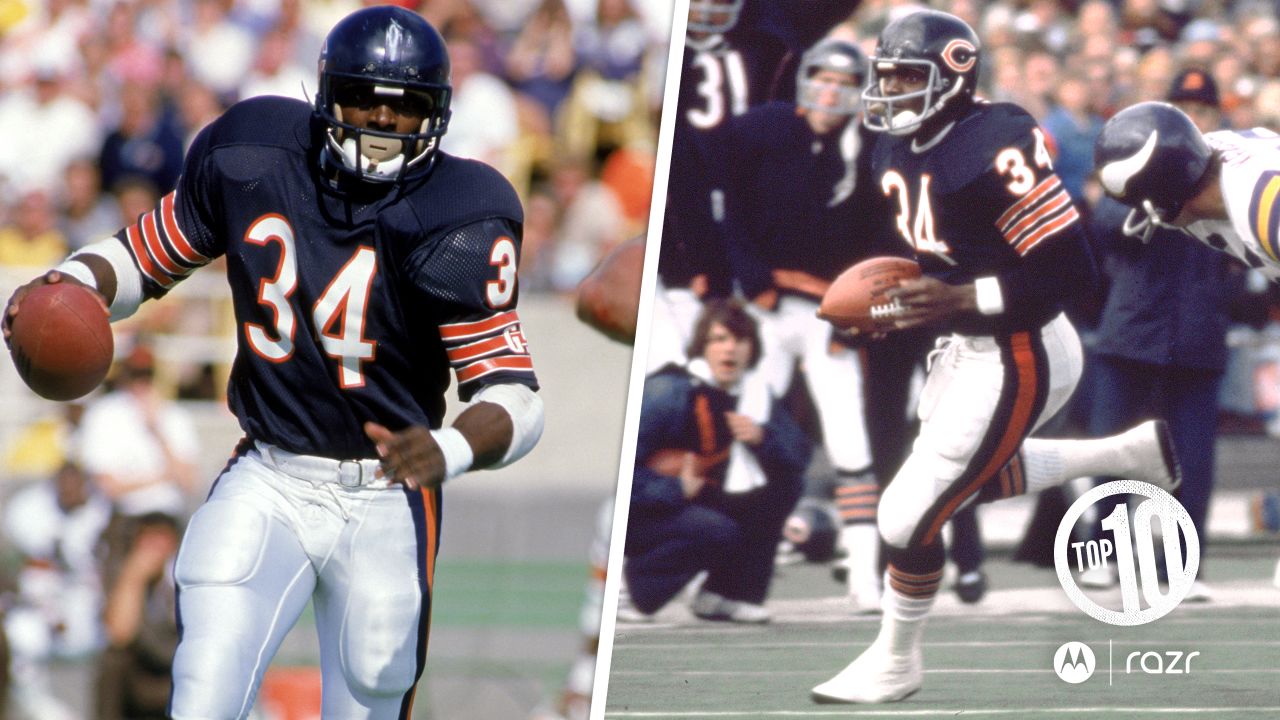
{"x":160,"y":247}
{"x":1041,"y":213}
{"x":479,"y":348}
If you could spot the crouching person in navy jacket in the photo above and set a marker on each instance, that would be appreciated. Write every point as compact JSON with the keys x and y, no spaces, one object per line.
{"x":719,"y":468}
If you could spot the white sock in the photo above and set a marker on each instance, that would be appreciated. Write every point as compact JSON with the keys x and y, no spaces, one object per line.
{"x":902,"y":626}
{"x":1050,"y":462}
{"x":861,"y":544}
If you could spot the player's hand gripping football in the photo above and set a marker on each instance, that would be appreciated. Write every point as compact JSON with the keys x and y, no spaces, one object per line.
{"x":11,"y":308}
{"x":929,"y":301}
{"x":410,"y":456}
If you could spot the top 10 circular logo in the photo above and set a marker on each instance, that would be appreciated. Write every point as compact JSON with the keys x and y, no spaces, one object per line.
{"x":1130,"y":530}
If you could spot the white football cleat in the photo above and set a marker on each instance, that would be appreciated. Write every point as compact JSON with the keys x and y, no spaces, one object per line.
{"x":877,"y":676}
{"x":1150,"y":453}
{"x":712,"y":606}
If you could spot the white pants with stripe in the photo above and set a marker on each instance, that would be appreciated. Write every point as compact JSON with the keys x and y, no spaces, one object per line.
{"x":264,"y":544}
{"x":981,"y":399}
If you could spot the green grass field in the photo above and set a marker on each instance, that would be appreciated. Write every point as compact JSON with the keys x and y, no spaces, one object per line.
{"x":990,"y":660}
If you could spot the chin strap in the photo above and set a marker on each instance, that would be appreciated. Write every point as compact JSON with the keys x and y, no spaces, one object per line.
{"x":1142,"y":223}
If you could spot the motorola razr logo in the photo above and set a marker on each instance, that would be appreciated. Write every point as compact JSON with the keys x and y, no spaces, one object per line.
{"x":1074,"y":662}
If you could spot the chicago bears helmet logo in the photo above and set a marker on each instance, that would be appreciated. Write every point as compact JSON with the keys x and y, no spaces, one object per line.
{"x":960,"y":55}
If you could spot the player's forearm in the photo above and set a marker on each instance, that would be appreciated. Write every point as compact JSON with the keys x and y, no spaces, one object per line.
{"x":502,"y":426}
{"x":487,"y":429}
{"x":107,"y":267}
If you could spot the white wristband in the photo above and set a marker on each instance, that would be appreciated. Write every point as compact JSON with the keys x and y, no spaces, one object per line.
{"x":78,"y":270}
{"x":989,"y":298}
{"x":457,"y":452}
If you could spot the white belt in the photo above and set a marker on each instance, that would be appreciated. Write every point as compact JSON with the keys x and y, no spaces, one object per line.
{"x":316,"y":469}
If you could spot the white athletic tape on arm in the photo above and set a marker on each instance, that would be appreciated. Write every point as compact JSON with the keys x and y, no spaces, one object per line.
{"x":525,"y":408}
{"x":128,"y":278}
{"x":457,"y":452}
{"x":78,"y":270}
{"x":990,"y":299}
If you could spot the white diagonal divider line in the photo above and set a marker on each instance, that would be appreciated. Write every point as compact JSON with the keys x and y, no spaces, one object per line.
{"x":966,"y":712}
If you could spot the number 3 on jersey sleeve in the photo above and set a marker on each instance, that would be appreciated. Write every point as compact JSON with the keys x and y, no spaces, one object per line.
{"x":339,"y":314}
{"x":499,"y":293}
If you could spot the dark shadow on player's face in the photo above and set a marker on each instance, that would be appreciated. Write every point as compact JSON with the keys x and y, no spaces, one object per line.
{"x":903,"y":79}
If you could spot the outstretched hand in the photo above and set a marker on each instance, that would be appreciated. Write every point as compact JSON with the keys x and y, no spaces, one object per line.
{"x":410,"y":456}
{"x":50,"y":278}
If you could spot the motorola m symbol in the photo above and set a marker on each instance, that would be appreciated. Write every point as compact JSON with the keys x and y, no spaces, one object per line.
{"x":1074,"y":662}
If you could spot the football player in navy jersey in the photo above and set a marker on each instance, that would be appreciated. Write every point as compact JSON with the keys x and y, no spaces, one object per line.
{"x":972,"y":191}
{"x":733,"y":53}
{"x":364,"y":263}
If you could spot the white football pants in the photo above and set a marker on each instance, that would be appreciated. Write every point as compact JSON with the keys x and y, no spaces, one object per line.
{"x":983,"y":396}
{"x":267,"y":541}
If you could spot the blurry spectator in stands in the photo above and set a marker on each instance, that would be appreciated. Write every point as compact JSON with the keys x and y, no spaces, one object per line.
{"x":55,"y":525}
{"x":608,"y":104}
{"x":274,"y":70}
{"x":86,"y":214}
{"x":1161,"y":342}
{"x":541,"y":61}
{"x":141,"y":626}
{"x":1155,"y":72}
{"x":628,"y":172}
{"x":1072,"y":125}
{"x":591,"y":222}
{"x":127,"y":55}
{"x":218,"y":51}
{"x":44,"y":443}
{"x":134,"y":196}
{"x":538,"y":250}
{"x":44,"y":129}
{"x":198,"y":105}
{"x":32,"y":237}
{"x":139,"y":447}
{"x":1260,"y":32}
{"x":483,"y":125}
{"x":1040,"y":73}
{"x":145,"y":143}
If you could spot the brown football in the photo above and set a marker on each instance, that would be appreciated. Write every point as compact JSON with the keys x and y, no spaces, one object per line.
{"x":857,"y":299}
{"x":61,"y":341}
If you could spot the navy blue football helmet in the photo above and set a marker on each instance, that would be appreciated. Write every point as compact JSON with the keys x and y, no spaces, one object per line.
{"x":1153,"y":158}
{"x":837,"y":56}
{"x":943,"y":49}
{"x":384,"y":55}
{"x":713,"y":17}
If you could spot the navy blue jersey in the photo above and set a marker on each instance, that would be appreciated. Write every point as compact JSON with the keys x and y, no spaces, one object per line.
{"x":800,"y":202}
{"x":722,"y":77}
{"x":984,"y":201}
{"x":351,"y":303}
